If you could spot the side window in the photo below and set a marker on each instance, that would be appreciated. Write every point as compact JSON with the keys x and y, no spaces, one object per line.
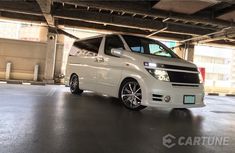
{"x":93,"y":44}
{"x":134,"y":43}
{"x":90,"y":46}
{"x":156,"y":49}
{"x":111,"y":42}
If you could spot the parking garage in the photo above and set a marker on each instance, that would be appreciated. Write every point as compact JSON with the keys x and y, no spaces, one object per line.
{"x":39,"y":114}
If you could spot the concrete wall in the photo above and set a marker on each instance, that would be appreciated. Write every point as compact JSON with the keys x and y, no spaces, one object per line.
{"x":23,"y":55}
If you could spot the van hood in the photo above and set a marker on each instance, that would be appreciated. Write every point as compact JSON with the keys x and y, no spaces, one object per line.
{"x":170,"y":61}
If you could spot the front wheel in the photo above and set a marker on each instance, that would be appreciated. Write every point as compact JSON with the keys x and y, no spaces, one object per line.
{"x":131,"y":95}
{"x":74,"y":85}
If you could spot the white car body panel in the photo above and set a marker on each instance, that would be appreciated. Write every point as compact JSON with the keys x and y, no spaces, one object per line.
{"x":104,"y":74}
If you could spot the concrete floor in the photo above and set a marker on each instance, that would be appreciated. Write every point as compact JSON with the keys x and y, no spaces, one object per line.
{"x":48,"y":119}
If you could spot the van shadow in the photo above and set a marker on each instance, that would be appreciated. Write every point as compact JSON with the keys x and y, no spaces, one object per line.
{"x":145,"y":128}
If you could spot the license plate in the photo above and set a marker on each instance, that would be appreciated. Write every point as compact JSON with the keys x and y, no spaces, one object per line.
{"x":189,"y":99}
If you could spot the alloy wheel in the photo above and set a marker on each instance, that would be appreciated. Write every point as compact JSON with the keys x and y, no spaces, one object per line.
{"x":73,"y":83}
{"x":131,"y":94}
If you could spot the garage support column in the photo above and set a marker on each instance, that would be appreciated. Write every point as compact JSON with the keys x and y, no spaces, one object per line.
{"x":59,"y":65}
{"x":189,"y":54}
{"x":185,"y":51}
{"x":179,"y":50}
{"x":50,"y":58}
{"x":43,"y":34}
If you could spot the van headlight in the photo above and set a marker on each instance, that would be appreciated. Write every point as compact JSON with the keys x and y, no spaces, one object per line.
{"x":161,"y":75}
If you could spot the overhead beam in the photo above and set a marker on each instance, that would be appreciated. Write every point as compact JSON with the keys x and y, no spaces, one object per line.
{"x":222,"y":43}
{"x":126,"y":21}
{"x":29,"y":8}
{"x":225,"y":10}
{"x":225,"y":34}
{"x":124,"y":7}
{"x":22,"y":17}
{"x":229,"y":36}
{"x":61,"y":31}
{"x":110,"y":28}
{"x":45,"y":6}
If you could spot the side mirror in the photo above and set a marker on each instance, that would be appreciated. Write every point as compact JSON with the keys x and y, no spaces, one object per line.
{"x":117,"y":52}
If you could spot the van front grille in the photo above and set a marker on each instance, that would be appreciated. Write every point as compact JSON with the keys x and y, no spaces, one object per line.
{"x":183,"y":77}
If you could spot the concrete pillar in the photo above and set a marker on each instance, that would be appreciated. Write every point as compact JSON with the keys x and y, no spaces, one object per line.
{"x":60,"y":37}
{"x":50,"y":58}
{"x":59,"y":66}
{"x":189,"y":54}
{"x":179,"y":50}
{"x":185,"y":51}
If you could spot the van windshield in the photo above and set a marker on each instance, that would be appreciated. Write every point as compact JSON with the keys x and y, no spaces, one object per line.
{"x":148,"y":46}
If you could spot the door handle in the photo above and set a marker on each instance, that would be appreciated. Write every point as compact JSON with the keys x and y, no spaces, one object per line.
{"x":99,"y":59}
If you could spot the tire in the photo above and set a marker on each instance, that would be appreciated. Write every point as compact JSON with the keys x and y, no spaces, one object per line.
{"x":74,"y":85}
{"x":130,"y":94}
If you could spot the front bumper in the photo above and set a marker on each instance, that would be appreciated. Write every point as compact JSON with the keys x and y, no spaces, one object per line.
{"x":156,"y":91}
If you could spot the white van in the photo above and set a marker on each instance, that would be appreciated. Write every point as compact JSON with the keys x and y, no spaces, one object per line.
{"x":140,"y":71}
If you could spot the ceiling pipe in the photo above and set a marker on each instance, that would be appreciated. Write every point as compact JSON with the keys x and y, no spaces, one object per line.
{"x":156,"y":32}
{"x":206,"y":35}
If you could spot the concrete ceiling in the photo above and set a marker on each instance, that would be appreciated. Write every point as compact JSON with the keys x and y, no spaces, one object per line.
{"x":230,"y":16}
{"x":184,"y":6}
{"x":184,"y":20}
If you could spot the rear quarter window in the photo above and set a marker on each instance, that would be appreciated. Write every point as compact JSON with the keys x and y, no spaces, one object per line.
{"x":86,"y":47}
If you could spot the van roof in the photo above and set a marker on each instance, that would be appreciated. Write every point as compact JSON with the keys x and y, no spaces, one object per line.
{"x":90,"y":37}
{"x":102,"y":35}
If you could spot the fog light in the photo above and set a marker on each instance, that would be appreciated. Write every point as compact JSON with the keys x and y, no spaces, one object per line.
{"x":167,"y":99}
